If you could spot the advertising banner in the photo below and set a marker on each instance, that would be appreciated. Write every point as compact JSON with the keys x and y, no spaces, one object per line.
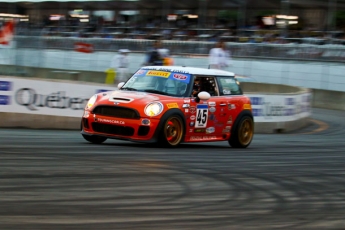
{"x":18,"y":95}
{"x":83,"y":47}
{"x":280,"y":108}
{"x":46,"y":97}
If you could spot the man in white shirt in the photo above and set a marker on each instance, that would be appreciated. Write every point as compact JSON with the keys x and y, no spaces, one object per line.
{"x":120,"y":62}
{"x":219,"y":57}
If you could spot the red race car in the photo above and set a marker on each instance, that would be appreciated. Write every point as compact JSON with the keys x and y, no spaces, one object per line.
{"x":169,"y":105}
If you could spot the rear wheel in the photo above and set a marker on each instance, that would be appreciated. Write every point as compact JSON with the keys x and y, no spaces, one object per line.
{"x":243,"y":133}
{"x":172,"y":131}
{"x":94,"y":139}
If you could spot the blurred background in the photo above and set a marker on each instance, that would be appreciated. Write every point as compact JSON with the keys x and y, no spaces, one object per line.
{"x":53,"y":179}
{"x":84,"y":36}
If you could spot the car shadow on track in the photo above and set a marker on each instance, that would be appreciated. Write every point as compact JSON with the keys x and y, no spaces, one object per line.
{"x":214,"y":145}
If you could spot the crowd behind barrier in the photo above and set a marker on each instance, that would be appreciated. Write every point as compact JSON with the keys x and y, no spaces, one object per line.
{"x":292,"y":50}
{"x":192,"y":32}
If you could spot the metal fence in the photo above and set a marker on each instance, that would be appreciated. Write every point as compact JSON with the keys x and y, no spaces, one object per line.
{"x":327,"y":52}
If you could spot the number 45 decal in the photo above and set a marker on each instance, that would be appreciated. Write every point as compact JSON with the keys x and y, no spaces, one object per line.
{"x":201,"y":116}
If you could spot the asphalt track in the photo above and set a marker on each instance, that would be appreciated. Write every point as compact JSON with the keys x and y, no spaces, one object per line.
{"x":56,"y":180}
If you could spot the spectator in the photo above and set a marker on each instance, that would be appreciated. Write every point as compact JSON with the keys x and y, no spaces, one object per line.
{"x":165,"y":54}
{"x":219,"y":57}
{"x":120,"y":63}
{"x":154,"y":57}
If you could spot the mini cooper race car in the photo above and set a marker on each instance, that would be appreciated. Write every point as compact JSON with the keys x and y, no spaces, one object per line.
{"x":170,"y":105}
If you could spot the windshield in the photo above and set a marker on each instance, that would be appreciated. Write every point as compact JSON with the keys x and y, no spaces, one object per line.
{"x":159,"y":82}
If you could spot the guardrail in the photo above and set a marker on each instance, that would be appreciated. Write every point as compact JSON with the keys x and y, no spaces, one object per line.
{"x":260,"y":50}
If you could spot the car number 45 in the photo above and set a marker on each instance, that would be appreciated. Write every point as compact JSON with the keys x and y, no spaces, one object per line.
{"x":201,"y":116}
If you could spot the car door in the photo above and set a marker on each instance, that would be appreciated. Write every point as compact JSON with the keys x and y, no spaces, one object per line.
{"x":207,"y":120}
{"x":230,"y":104}
{"x":219,"y":115}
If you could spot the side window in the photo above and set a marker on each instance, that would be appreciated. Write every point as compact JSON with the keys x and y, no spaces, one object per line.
{"x":205,"y":83}
{"x":228,"y":86}
{"x":210,"y":86}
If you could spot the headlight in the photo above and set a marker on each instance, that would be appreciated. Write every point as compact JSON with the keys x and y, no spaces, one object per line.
{"x":153,"y":109}
{"x":91,"y":101}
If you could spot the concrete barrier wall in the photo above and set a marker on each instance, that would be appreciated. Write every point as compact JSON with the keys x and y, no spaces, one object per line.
{"x":37,"y":121}
{"x":276,"y":126}
{"x":51,"y":73}
{"x":281,"y":127}
{"x":265,"y":88}
{"x":47,"y":110}
{"x":328,"y":99}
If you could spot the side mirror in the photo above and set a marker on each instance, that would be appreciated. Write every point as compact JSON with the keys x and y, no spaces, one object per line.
{"x":203,"y":96}
{"x":119,"y":86}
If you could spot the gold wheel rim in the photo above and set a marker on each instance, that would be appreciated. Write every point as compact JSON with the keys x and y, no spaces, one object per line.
{"x":173,"y":131}
{"x":246,"y":131}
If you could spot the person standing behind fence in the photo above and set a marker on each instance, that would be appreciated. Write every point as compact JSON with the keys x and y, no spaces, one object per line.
{"x":219,"y":56}
{"x":167,"y":58}
{"x":120,"y":63}
{"x":154,"y":57}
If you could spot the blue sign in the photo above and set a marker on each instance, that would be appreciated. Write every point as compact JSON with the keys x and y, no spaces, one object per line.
{"x":257,"y":100}
{"x":5,"y":100}
{"x":5,"y":86}
{"x":289,"y":112}
{"x":257,"y":112}
{"x":202,"y":106}
{"x":289,"y":101}
{"x":182,"y":77}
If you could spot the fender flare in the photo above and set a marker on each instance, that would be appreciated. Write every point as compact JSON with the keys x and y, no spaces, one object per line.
{"x":167,"y":114}
{"x":238,"y":118}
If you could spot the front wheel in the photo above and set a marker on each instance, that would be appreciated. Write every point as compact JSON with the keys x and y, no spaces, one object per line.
{"x":171,"y":133}
{"x":243,"y":133}
{"x":94,"y":139}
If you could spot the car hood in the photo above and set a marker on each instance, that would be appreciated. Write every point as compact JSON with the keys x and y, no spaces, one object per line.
{"x":135,"y":100}
{"x":130,"y":97}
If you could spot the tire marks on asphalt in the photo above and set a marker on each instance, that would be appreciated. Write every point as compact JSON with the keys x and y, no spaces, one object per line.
{"x":279,"y":182}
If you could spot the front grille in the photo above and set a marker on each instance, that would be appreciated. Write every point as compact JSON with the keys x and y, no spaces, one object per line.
{"x":116,"y":111}
{"x":112,"y":129}
{"x":143,"y":130}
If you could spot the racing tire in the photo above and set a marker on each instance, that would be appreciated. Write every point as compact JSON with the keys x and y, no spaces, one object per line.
{"x":243,"y":132}
{"x":94,"y":139}
{"x":172,"y":132}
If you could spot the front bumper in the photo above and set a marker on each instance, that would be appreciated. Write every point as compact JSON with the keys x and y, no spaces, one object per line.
{"x":141,"y":130}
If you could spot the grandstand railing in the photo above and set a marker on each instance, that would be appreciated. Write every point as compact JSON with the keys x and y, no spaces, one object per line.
{"x":328,"y":52}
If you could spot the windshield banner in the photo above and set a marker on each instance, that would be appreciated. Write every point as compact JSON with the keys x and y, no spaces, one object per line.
{"x":181,"y":77}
